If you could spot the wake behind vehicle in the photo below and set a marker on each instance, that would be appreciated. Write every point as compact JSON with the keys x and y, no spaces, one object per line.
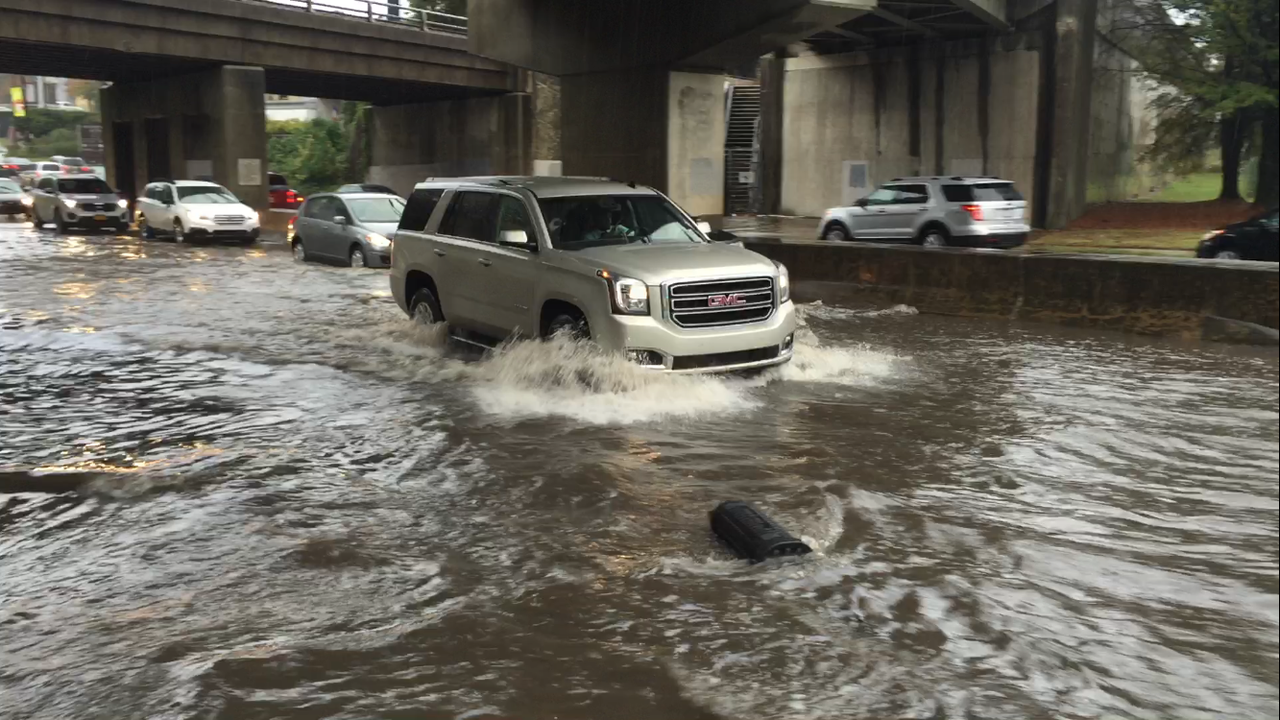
{"x":78,"y":201}
{"x":194,"y":210}
{"x":934,"y":212}
{"x":1257,"y":238}
{"x":615,"y":263}
{"x":352,"y":228}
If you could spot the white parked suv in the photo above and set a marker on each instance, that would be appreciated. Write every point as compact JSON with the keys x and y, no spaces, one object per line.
{"x":194,"y":209}
{"x":617,"y":263}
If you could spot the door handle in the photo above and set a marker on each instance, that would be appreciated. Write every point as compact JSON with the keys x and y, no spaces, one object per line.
{"x":485,"y":262}
{"x":438,"y":252}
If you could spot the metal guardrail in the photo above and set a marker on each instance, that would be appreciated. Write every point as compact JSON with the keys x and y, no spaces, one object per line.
{"x":377,"y":11}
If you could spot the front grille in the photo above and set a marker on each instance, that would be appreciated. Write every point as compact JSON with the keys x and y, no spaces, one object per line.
{"x":228,"y":219}
{"x":95,"y":207}
{"x":712,"y":303}
{"x":698,"y":362}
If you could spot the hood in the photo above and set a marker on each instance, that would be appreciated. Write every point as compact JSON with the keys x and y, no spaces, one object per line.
{"x":92,"y":197}
{"x":212,"y":209}
{"x":655,"y":264}
{"x":386,"y":229}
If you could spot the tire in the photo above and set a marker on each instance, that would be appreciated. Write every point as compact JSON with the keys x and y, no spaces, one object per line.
{"x":836,"y":232}
{"x":58,"y":223}
{"x":425,"y":308}
{"x":179,"y":233}
{"x":299,"y":250}
{"x":935,"y":237}
{"x":35,"y":217}
{"x":144,"y":228}
{"x":1227,"y":255}
{"x":356,"y":258}
{"x":571,"y":323}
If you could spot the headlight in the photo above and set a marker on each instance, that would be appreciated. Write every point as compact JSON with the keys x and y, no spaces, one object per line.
{"x":1211,"y":235}
{"x":630,"y":296}
{"x":257,"y":216}
{"x":122,"y":203}
{"x":26,"y":200}
{"x":376,"y":240}
{"x":71,"y":204}
{"x":784,"y":283}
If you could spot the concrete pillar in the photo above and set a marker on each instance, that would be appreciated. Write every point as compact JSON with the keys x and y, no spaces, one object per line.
{"x":1072,"y":79}
{"x":448,"y":138}
{"x":649,"y":126}
{"x":773,"y":72}
{"x":212,"y":121}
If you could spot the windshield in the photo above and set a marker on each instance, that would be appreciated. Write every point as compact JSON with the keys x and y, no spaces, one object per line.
{"x":73,"y":161}
{"x":83,"y":186}
{"x":9,"y":186}
{"x":377,"y":210}
{"x":590,"y":220}
{"x":206,"y":195}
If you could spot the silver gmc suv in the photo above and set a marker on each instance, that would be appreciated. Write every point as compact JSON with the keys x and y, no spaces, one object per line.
{"x":617,"y":263}
{"x":934,"y":212}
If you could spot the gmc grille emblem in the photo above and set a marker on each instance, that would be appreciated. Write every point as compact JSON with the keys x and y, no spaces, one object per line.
{"x":725,"y":300}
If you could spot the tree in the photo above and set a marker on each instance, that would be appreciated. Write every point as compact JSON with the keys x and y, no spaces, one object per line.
{"x":1222,"y":57}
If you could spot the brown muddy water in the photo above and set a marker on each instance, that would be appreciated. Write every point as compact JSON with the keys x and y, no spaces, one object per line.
{"x":232,"y":486}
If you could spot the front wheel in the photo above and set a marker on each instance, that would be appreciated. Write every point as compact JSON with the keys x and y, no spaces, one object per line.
{"x":144,"y":228}
{"x":179,"y":234}
{"x":571,"y":324}
{"x":59,"y":223}
{"x":1226,"y":255}
{"x":835,"y":232}
{"x":356,"y":259}
{"x":299,"y":251}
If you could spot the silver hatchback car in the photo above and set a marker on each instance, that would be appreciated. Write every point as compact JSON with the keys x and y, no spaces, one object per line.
{"x":934,"y":212}
{"x":352,"y":228}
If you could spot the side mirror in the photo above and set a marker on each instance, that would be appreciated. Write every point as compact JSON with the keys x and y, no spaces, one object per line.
{"x":861,"y":202}
{"x":518,"y":239}
{"x":704,"y":227}
{"x":722,"y":236}
{"x":340,"y":219}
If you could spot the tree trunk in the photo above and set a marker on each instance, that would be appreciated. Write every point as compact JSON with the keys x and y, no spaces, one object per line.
{"x":1269,"y":161}
{"x":1231,"y":139}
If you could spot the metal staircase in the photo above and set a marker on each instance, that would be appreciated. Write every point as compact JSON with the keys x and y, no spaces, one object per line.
{"x":742,"y":150}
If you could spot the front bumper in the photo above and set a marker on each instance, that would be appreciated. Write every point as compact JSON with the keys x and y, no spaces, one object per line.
{"x":96,"y":218}
{"x":210,"y":231}
{"x":702,"y":350}
{"x":13,"y":207}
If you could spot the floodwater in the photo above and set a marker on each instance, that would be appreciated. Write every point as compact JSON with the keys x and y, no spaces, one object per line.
{"x":233,"y":486}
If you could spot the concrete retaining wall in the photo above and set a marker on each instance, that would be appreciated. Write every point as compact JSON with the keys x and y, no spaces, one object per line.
{"x":1150,"y":296}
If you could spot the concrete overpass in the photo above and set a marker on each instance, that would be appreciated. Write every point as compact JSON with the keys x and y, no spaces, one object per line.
{"x":189,"y":76}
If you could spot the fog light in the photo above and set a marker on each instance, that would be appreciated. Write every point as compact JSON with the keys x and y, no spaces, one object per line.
{"x":788,"y":342}
{"x":646,"y":358}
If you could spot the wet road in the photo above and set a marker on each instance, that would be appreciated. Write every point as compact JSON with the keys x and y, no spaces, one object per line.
{"x":232,"y":486}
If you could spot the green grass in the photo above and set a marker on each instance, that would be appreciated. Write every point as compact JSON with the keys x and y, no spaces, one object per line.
{"x":1197,"y":187}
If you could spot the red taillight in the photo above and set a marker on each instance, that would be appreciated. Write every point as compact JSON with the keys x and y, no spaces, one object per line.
{"x":975,"y":211}
{"x":66,"y":168}
{"x":86,"y":168}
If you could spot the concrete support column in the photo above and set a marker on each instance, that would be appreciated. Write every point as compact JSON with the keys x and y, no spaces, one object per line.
{"x":773,"y":72}
{"x":651,"y":127}
{"x":1071,"y":118}
{"x":210,"y":124}
{"x":449,"y":138}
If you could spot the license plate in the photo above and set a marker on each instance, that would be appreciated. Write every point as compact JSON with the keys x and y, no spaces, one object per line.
{"x":1009,"y":215}
{"x":100,"y":218}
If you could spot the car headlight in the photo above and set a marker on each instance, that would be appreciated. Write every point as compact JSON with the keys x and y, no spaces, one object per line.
{"x":71,"y":204}
{"x":1211,"y":235}
{"x":784,"y":283}
{"x":630,"y":296}
{"x":376,"y":240}
{"x":26,"y":200}
{"x":122,"y":203}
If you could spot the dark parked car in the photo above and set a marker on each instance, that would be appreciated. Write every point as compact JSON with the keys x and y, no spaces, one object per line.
{"x":282,"y":196}
{"x":1253,"y":239}
{"x":366,"y":188}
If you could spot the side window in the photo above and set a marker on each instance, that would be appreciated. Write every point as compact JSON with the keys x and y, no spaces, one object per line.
{"x":46,"y":184}
{"x":912,"y":195}
{"x":149,"y":192}
{"x":513,"y":215}
{"x":882,"y":196}
{"x":957,"y":193}
{"x":417,"y":213}
{"x":320,"y":208}
{"x":166,"y":194}
{"x":471,"y":215}
{"x":337,"y":208}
